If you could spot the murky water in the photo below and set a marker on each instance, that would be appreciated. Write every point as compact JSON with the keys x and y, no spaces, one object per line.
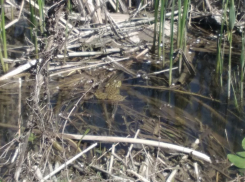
{"x":175,"y":114}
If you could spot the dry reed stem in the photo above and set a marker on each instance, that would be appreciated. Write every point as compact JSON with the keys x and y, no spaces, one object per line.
{"x":108,"y":139}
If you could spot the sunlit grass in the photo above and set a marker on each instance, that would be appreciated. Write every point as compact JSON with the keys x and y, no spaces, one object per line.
{"x":232,"y":19}
{"x":242,"y":60}
{"x":34,"y":32}
{"x":41,"y":16}
{"x":179,"y":23}
{"x":3,"y":39}
{"x":171,"y":44}
{"x":161,"y":30}
{"x":182,"y":30}
{"x":155,"y":25}
{"x":219,"y":58}
{"x":2,"y":62}
{"x":69,"y":5}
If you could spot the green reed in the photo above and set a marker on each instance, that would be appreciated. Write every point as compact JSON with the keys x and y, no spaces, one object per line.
{"x":232,"y":19}
{"x":183,"y":23}
{"x":242,"y":60}
{"x":3,"y":38}
{"x":179,"y":23}
{"x":34,"y":26}
{"x":182,"y":31}
{"x":235,"y":91}
{"x":155,"y":25}
{"x":161,"y":29}
{"x":69,"y":6}
{"x":219,"y":58}
{"x":171,"y":43}
{"x":2,"y":62}
{"x":41,"y":16}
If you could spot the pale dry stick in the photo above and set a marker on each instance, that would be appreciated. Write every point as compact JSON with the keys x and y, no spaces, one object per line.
{"x":159,"y":72}
{"x":227,"y":138}
{"x":113,"y":5}
{"x":15,"y":155}
{"x":81,"y":8}
{"x":142,"y":53}
{"x":139,"y":9}
{"x":209,"y":6}
{"x":21,"y":156}
{"x":133,"y":50}
{"x":99,"y":11}
{"x":197,"y":171}
{"x":55,"y":4}
{"x":37,"y":173}
{"x":64,"y":26}
{"x":19,"y":106}
{"x":33,"y":4}
{"x":31,"y":63}
{"x":121,"y":67}
{"x":132,"y":160}
{"x":15,"y":20}
{"x":11,"y":3}
{"x":131,"y":146}
{"x":109,"y":139}
{"x":112,"y":159}
{"x":7,"y":161}
{"x":91,"y":9}
{"x":20,"y":69}
{"x":119,"y":158}
{"x":160,"y":160}
{"x":113,"y":24}
{"x":10,"y":145}
{"x":77,"y":54}
{"x":149,"y":165}
{"x":68,"y":162}
{"x":138,"y":176}
{"x":47,"y":154}
{"x":109,"y":150}
{"x":120,"y":25}
{"x":67,"y":65}
{"x":148,"y":160}
{"x":129,"y":3}
{"x":84,"y":67}
{"x":69,"y":25}
{"x":172,"y":175}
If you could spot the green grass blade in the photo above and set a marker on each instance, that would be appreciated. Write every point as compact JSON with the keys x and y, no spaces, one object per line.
{"x":2,"y":62}
{"x":179,"y":23}
{"x":232,"y":16}
{"x":3,"y":35}
{"x":161,"y":27}
{"x":171,"y":44}
{"x":242,"y":68}
{"x":41,"y":17}
{"x":155,"y":26}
